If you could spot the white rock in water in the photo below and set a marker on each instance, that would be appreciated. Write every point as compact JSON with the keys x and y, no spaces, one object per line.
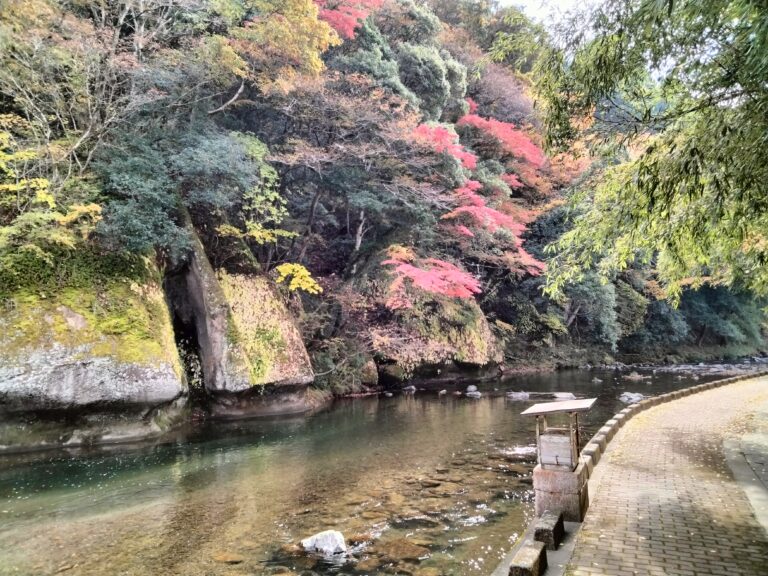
{"x":596,"y":380}
{"x":565,"y":396}
{"x":631,"y":397}
{"x":518,"y":395}
{"x":409,"y":389}
{"x":471,"y":388}
{"x":473,"y":394}
{"x":327,"y":543}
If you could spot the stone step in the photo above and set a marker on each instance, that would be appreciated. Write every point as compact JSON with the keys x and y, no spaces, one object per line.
{"x":530,"y":560}
{"x":550,"y":530}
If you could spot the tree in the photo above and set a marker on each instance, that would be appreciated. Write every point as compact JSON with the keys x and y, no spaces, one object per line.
{"x":371,"y":54}
{"x":430,"y":275}
{"x":346,"y":16}
{"x":279,"y":39}
{"x":474,"y":206}
{"x":32,"y":225}
{"x":681,"y":85}
{"x":503,"y":95}
{"x":444,"y":140}
{"x":423,"y":72}
{"x":510,"y":140}
{"x":352,"y":169}
{"x":408,"y":21}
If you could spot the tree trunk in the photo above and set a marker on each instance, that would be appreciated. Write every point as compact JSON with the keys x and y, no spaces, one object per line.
{"x":359,"y":233}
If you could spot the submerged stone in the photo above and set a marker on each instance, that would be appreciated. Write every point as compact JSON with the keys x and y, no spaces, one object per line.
{"x":228,"y":558}
{"x":631,"y":397}
{"x":368,"y":564}
{"x":401,"y":549}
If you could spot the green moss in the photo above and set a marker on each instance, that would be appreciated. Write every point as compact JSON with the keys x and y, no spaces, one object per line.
{"x":260,"y":348}
{"x":99,"y":307}
{"x":82,"y":268}
{"x":439,"y":329}
{"x":254,"y":325}
{"x":459,"y":325}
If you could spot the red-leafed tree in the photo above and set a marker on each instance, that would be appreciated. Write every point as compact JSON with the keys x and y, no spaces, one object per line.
{"x":511,"y":140}
{"x":428,"y":275}
{"x":474,"y":206}
{"x":512,"y":180}
{"x":345,"y":16}
{"x":474,"y":211}
{"x":442,"y":140}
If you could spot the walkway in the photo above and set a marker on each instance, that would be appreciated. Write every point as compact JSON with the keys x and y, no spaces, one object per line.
{"x":667,"y":503}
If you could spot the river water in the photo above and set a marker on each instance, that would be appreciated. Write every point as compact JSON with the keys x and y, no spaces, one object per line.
{"x":420,"y":483}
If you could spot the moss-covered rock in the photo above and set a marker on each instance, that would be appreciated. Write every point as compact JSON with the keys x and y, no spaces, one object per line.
{"x":265,"y":332}
{"x":436,"y":330}
{"x":89,"y":333}
{"x":246,"y":335}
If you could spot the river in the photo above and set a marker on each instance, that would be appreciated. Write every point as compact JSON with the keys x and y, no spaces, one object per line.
{"x":421,"y":483}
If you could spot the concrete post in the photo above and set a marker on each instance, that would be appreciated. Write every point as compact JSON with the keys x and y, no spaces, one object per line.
{"x":562,"y":491}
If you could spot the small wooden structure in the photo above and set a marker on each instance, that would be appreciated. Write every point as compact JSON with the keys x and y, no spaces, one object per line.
{"x":558,"y":447}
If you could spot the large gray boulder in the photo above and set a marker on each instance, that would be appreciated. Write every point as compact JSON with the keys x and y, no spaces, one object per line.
{"x":107,"y":343}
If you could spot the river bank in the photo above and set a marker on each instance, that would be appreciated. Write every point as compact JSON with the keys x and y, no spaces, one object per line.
{"x":85,"y":430}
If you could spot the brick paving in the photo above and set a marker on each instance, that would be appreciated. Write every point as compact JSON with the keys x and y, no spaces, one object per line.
{"x":667,"y":503}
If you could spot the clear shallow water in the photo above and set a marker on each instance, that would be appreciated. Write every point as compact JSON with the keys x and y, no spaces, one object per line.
{"x":427,"y":484}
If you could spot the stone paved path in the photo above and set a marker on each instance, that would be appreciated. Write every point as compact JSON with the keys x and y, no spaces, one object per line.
{"x":667,"y":503}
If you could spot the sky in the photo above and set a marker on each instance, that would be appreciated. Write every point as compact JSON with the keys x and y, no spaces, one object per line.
{"x":544,"y":10}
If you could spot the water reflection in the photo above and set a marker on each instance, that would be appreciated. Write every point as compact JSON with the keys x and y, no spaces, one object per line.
{"x":424,"y":470}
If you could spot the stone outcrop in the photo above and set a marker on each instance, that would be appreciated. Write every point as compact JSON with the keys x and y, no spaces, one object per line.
{"x":245,"y":333}
{"x":250,"y":348}
{"x":264,"y":331}
{"x":89,"y":346}
{"x":101,"y":349}
{"x":93,"y":361}
{"x":450,"y":337}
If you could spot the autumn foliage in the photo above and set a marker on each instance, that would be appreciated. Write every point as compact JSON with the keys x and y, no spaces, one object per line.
{"x":345,"y":16}
{"x":513,"y":141}
{"x":442,"y":140}
{"x":474,"y":206}
{"x":512,"y":180}
{"x":427,"y":275}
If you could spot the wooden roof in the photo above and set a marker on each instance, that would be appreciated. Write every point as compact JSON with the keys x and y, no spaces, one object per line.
{"x":564,"y":406}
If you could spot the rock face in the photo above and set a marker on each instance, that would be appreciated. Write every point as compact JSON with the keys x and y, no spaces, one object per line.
{"x":63,"y":377}
{"x":100,"y":348}
{"x":250,"y":348}
{"x":89,"y":346}
{"x":452,"y":340}
{"x":265,"y":332}
{"x":99,"y":345}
